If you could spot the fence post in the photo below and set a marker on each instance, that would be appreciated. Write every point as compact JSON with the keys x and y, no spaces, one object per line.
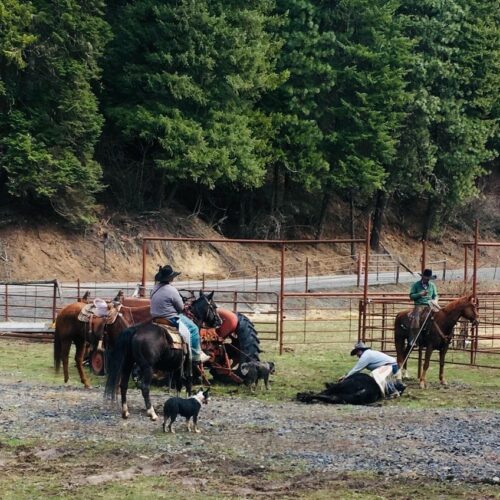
{"x":78,"y":296}
{"x":54,"y":300}
{"x":307,"y":275}
{"x":359,"y":271}
{"x":256,"y":278}
{"x":203,"y":281}
{"x":397,"y":273}
{"x":6,"y":302}
{"x":444,"y":269}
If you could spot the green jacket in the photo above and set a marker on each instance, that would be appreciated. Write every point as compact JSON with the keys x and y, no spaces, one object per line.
{"x":417,"y":287}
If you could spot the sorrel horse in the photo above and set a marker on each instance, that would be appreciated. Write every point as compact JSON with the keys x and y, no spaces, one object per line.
{"x":70,"y":330}
{"x":439,"y":334}
{"x":146,"y":346}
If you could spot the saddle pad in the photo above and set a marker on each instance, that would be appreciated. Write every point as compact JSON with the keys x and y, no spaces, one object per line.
{"x":173,"y":336}
{"x":86,"y":313}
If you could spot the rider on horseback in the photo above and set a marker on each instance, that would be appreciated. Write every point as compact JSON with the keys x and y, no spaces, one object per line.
{"x":167,"y":303}
{"x":424,"y":294}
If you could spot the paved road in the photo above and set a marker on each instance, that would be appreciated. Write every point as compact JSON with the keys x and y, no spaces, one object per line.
{"x":34,"y":303}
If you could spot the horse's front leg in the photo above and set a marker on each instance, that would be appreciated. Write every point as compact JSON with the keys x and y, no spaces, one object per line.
{"x":442,"y":354}
{"x":147,"y":377}
{"x":427,"y":361}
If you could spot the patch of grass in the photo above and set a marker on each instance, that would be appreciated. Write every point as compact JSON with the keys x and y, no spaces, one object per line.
{"x":300,"y":368}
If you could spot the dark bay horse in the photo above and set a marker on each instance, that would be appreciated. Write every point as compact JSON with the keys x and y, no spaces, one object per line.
{"x":440,"y":332}
{"x":70,"y":330}
{"x":146,"y":345}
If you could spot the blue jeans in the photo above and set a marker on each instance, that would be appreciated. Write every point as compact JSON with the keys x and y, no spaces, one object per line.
{"x":193,"y":330}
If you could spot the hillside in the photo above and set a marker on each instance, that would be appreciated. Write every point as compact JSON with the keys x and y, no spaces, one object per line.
{"x":112,"y":250}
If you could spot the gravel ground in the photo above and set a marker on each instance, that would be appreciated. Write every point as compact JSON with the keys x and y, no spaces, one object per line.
{"x":453,"y":445}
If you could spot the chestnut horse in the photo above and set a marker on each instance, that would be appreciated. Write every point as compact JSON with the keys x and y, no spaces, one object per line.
{"x":70,"y":330}
{"x":440,"y":332}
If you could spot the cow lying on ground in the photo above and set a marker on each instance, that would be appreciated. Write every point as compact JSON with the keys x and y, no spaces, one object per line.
{"x":358,"y":389}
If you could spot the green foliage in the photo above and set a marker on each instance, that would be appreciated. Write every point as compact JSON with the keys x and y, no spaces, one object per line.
{"x":363,"y":113}
{"x":182,"y":80}
{"x":51,"y":120}
{"x":454,"y":81}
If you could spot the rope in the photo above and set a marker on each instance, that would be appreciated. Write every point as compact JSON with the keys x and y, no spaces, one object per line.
{"x":416,"y":338}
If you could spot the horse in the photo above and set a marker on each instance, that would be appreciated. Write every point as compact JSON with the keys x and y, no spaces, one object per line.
{"x":147,"y":346}
{"x":439,"y":335}
{"x":358,"y":389}
{"x":70,"y":330}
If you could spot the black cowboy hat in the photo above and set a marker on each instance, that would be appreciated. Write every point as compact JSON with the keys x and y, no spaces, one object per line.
{"x":359,"y":346}
{"x":427,"y":273}
{"x":165,"y":274}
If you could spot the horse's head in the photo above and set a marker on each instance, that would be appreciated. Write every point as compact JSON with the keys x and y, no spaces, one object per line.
{"x":470,"y":310}
{"x":204,"y":309}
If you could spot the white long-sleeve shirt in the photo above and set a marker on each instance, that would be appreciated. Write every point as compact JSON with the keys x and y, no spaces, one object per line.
{"x":370,"y":360}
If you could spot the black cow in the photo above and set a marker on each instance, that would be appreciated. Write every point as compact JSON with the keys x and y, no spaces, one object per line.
{"x":358,"y":389}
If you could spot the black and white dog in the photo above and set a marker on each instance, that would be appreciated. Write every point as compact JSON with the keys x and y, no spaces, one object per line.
{"x":185,"y":407}
{"x":253,"y":371}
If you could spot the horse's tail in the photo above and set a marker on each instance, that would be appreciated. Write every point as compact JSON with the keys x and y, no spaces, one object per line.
{"x":117,"y":357}
{"x":57,"y":349}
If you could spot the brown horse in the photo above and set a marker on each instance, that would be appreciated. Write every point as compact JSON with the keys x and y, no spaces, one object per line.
{"x":439,"y":334}
{"x":70,"y":330}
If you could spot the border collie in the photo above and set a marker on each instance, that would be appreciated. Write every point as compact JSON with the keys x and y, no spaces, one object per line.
{"x":253,"y":371}
{"x":185,"y":407}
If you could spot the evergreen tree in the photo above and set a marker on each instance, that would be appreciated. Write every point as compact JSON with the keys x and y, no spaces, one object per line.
{"x":51,"y":122}
{"x":182,"y":79}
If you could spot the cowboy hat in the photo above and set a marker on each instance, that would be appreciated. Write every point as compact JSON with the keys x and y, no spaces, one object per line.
{"x":427,"y":273}
{"x":359,"y":346}
{"x":165,"y":274}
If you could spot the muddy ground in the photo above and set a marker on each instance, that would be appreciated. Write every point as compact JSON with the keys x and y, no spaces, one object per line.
{"x":247,"y":447}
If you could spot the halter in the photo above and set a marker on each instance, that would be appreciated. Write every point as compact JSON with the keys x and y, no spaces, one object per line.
{"x":211,"y":308}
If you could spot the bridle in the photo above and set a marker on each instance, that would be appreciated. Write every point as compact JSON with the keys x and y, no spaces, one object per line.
{"x":211,"y":310}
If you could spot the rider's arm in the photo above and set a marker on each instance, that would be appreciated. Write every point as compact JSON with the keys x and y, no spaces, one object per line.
{"x":434,"y":293}
{"x":414,"y":291}
{"x":177,"y":301}
{"x":360,"y":365}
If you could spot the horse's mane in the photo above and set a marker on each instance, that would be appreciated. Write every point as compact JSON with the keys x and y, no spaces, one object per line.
{"x":454,"y":303}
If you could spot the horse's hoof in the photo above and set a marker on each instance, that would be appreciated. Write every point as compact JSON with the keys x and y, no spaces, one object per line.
{"x":423,"y":385}
{"x":125,"y":415}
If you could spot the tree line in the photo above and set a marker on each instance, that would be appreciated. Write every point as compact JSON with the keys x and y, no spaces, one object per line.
{"x":263,"y":112}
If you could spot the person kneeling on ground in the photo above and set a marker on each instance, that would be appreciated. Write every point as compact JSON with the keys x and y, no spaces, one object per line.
{"x":167,"y":303}
{"x":382,"y":366}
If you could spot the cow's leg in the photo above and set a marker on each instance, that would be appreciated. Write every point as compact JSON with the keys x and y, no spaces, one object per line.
{"x":442,"y":354}
{"x":427,"y":361}
{"x":80,"y":351}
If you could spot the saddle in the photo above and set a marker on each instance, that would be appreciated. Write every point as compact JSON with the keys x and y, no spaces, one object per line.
{"x":98,"y":314}
{"x":172,"y":335}
{"x":95,"y":310}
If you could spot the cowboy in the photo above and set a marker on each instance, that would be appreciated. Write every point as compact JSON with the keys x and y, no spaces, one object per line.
{"x":382,"y":366}
{"x":424,"y":294}
{"x":167,"y":303}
